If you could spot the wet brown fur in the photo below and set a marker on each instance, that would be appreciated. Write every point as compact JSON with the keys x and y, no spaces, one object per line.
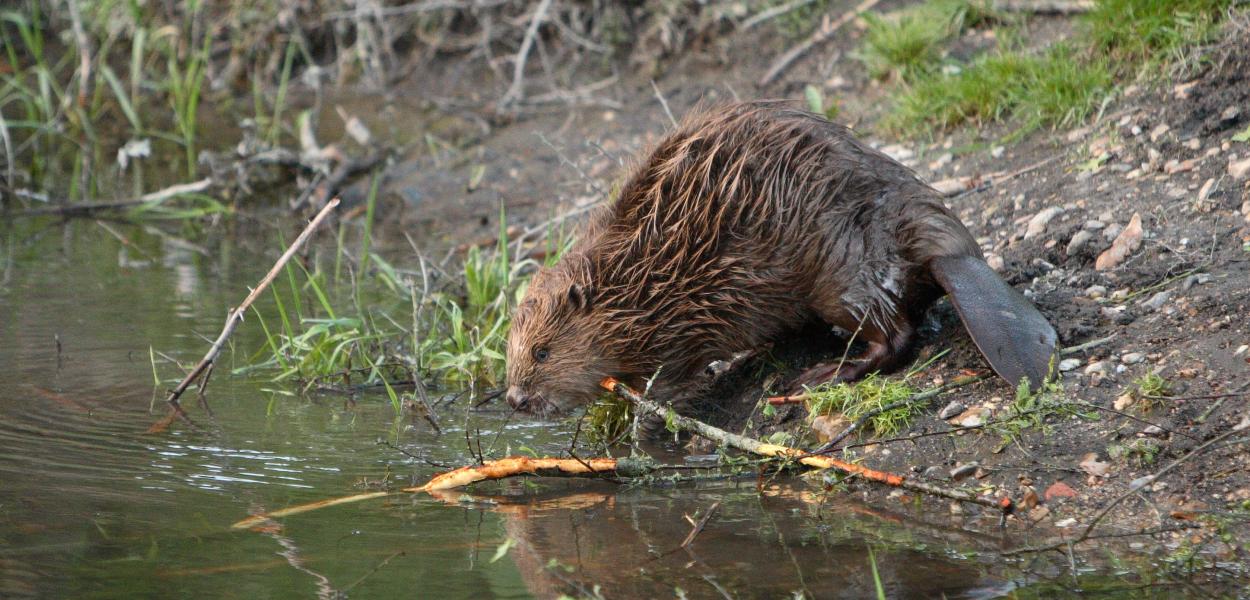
{"x":746,"y":221}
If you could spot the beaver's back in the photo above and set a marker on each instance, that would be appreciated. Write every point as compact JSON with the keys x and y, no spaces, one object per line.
{"x":744,"y":217}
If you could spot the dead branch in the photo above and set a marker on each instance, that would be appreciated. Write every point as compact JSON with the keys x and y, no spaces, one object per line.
{"x":83,"y":210}
{"x":515,"y":91}
{"x":772,"y":13}
{"x":700,"y":524}
{"x":330,"y":187}
{"x":820,"y":36}
{"x":647,"y":407}
{"x":236,"y":315}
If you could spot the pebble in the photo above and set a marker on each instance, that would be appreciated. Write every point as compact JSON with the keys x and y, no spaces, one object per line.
{"x":1094,"y":225}
{"x":1126,"y":242}
{"x":1132,"y":358}
{"x":1069,"y":364}
{"x":951,"y":410}
{"x":1241,"y":350}
{"x":974,"y":420}
{"x":1096,"y":291}
{"x":957,"y":509}
{"x":1230,"y":113}
{"x":1112,"y":231}
{"x":1245,"y":209}
{"x":935,"y":472}
{"x":1119,"y":295}
{"x":1199,"y":279}
{"x":997,"y":152}
{"x":1158,"y":300}
{"x":1153,"y":431}
{"x":963,"y":471}
{"x":1159,"y":131}
{"x":1239,"y":169}
{"x":1068,"y":522}
{"x":995,"y":262}
{"x":1079,"y":240}
{"x":1037,"y":225}
{"x":1096,"y":368}
{"x":1124,"y":401}
{"x":1140,"y":482}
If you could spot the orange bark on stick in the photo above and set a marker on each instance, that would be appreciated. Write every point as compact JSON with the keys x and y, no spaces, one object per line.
{"x":812,"y":460}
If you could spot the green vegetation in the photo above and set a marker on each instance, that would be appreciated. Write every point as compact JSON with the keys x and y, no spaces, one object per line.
{"x":909,"y":45}
{"x":872,"y":393}
{"x":1032,"y":409}
{"x":1139,"y":452}
{"x":1056,"y":87}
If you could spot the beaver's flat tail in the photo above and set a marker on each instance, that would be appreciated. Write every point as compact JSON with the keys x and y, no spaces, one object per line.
{"x":1015,"y":338}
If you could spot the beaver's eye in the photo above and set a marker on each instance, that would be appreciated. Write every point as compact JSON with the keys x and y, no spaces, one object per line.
{"x":541,"y":354}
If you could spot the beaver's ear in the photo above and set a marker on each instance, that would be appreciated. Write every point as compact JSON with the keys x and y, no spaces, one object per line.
{"x":579,"y":296}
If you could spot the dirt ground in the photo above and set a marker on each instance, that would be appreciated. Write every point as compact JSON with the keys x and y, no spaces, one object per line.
{"x":1179,"y":305}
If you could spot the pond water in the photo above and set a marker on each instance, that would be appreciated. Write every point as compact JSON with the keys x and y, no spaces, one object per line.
{"x":97,"y":502}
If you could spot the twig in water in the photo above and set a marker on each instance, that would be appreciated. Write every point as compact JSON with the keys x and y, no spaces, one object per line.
{"x":79,"y":210}
{"x":236,"y":315}
{"x":700,"y":524}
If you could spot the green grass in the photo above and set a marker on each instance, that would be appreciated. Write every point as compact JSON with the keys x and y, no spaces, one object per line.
{"x":857,"y":399}
{"x":1140,"y":452}
{"x":909,"y":45}
{"x":1059,"y":86}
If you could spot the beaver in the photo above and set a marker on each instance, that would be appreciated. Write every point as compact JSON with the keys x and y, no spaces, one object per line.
{"x":744,"y":222}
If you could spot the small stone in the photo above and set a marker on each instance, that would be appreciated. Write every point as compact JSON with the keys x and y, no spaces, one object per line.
{"x":973,"y":420}
{"x":951,"y":410}
{"x":1068,"y":522}
{"x":1093,"y":225}
{"x":1159,"y":131}
{"x":1119,"y":295}
{"x":996,"y":152}
{"x":1179,"y":166}
{"x":1140,"y":482}
{"x":957,"y":509}
{"x":1069,"y":364}
{"x":1154,"y":431}
{"x":1244,"y":424}
{"x":1239,"y":169}
{"x":935,"y":472}
{"x":1112,"y":231}
{"x":941,"y":161}
{"x":1090,"y":464}
{"x":1158,"y":300}
{"x":1132,"y":358}
{"x":963,"y":471}
{"x":1078,"y":241}
{"x":898,"y":152}
{"x":1123,"y":401}
{"x":1097,"y":368}
{"x":1126,"y":243}
{"x":1059,"y":489}
{"x":1135,"y":130}
{"x":1230,"y":113}
{"x":982,"y":473}
{"x":1029,"y":498}
{"x":1096,"y":291}
{"x":1038,"y":513}
{"x":826,"y":427}
{"x":1245,"y":209}
{"x":1241,"y":350}
{"x":995,"y":262}
{"x":1037,"y":225}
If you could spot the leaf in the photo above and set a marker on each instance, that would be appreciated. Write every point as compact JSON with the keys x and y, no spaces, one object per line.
{"x":815,"y":100}
{"x":503,"y":549}
{"x":1244,"y":136}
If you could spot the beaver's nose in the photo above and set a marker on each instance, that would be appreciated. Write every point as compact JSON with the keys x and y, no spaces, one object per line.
{"x":517,"y":399}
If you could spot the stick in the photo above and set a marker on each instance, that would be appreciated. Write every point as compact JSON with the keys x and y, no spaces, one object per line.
{"x":698,"y":527}
{"x":78,"y":210}
{"x":236,"y":315}
{"x":820,"y":36}
{"x":518,"y":69}
{"x":773,"y":12}
{"x":820,"y":462}
{"x":491,"y":469}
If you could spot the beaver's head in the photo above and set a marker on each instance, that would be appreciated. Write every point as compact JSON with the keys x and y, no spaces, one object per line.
{"x":555,"y":358}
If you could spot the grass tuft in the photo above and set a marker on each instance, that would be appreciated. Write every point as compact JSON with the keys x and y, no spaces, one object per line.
{"x":856,"y":399}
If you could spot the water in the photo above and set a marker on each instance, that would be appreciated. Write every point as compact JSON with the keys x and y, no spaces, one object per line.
{"x":94,"y":504}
